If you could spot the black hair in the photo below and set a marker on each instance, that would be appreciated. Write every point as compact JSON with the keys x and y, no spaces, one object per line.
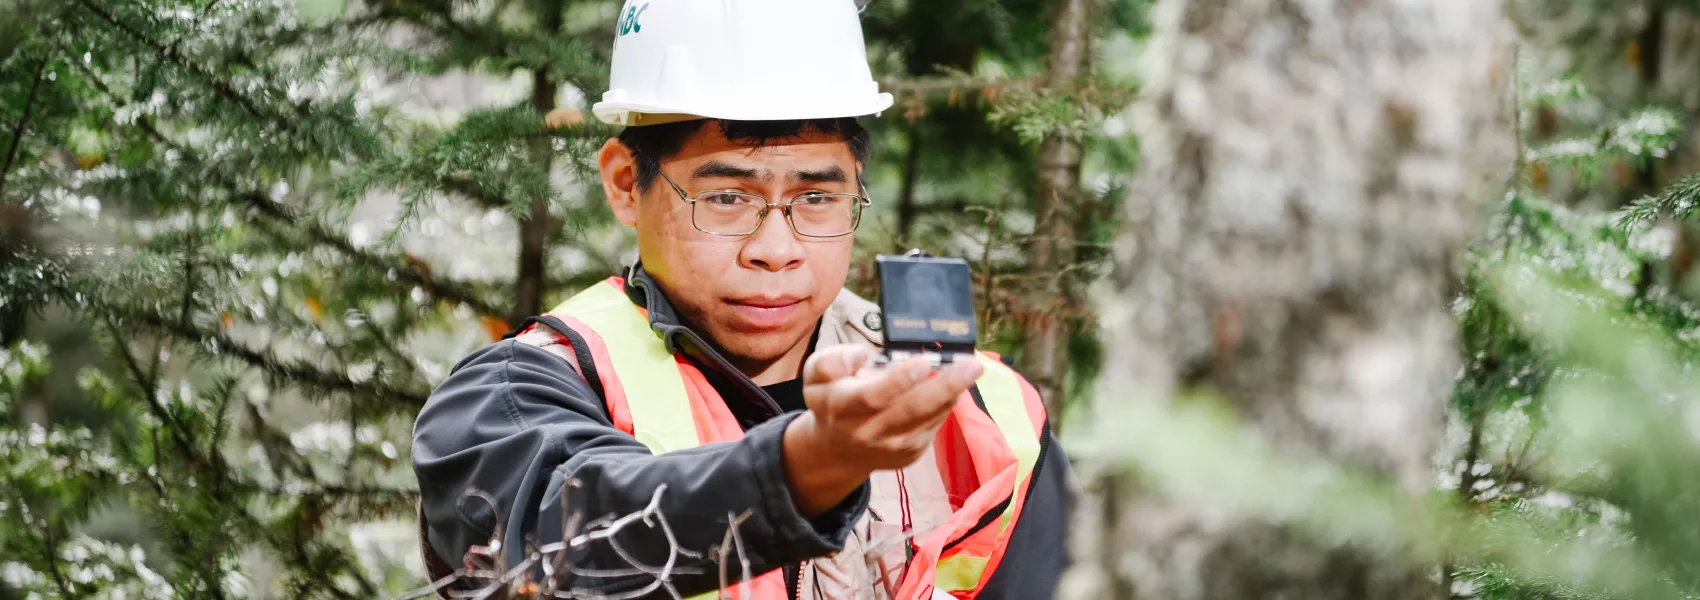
{"x":655,"y":143}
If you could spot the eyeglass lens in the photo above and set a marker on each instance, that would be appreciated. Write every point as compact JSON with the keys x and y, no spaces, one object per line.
{"x":813,"y":215}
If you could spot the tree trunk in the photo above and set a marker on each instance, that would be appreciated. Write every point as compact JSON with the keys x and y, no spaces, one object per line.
{"x":906,"y":194}
{"x":1044,"y":356}
{"x":1311,"y":174}
{"x":534,"y":229}
{"x":1651,"y":42}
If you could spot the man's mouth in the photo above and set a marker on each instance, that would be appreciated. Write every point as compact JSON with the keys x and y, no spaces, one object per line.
{"x":765,"y":312}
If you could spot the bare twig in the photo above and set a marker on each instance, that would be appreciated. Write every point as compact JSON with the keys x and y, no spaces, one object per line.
{"x":743,"y":561}
{"x":497,"y":580}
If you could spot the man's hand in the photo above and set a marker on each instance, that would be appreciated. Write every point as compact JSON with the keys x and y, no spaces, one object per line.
{"x":861,"y":420}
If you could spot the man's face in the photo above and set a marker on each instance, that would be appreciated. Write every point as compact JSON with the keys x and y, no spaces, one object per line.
{"x":758,"y":296}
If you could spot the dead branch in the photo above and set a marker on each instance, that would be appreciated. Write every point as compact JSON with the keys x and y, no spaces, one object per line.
{"x":488,"y":574}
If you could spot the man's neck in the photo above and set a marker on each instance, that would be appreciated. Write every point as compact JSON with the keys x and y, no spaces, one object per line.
{"x":785,"y":368}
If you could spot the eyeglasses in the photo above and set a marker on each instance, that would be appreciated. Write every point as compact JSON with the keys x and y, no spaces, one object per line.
{"x":735,"y":213}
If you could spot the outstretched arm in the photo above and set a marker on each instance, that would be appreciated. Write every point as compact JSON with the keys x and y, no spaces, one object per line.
{"x":517,"y":423}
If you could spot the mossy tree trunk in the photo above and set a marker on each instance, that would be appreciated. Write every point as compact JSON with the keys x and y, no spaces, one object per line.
{"x":1311,"y":175}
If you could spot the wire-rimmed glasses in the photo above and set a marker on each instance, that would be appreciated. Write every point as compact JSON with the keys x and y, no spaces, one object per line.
{"x":735,"y":213}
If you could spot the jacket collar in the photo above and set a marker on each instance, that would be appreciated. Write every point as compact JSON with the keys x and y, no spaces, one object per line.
{"x":680,"y":339}
{"x":849,"y":320}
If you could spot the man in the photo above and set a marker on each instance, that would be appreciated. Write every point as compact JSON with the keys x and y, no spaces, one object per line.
{"x":725,"y":378}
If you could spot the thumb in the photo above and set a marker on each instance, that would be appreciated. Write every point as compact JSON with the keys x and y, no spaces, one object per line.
{"x":833,"y":363}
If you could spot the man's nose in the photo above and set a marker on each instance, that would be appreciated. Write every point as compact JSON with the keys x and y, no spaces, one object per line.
{"x":774,"y":246}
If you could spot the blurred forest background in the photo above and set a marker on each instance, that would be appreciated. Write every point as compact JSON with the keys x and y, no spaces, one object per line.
{"x":240,"y":241}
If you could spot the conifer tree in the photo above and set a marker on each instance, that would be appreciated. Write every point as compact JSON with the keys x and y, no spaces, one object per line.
{"x":202,"y":346}
{"x":237,"y":250}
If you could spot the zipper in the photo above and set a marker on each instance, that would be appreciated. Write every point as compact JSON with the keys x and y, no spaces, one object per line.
{"x":794,"y":581}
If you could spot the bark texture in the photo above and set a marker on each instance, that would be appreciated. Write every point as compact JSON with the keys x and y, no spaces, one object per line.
{"x":1044,"y":358}
{"x":1312,"y":172}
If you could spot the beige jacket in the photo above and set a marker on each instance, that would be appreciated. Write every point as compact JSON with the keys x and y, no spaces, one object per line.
{"x":872,"y":562}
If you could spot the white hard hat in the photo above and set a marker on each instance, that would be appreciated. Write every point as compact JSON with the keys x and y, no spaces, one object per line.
{"x":745,"y":60}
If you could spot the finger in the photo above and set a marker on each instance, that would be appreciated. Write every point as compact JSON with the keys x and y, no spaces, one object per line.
{"x":849,"y":379}
{"x":884,"y":387}
{"x":833,"y":363}
{"x":875,"y":389}
{"x":928,"y":402}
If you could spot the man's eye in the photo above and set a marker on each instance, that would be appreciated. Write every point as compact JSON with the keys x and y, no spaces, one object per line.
{"x":813,"y":200}
{"x":725,"y":199}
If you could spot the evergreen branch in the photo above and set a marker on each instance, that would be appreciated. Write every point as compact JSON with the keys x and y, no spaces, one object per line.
{"x":179,"y":432}
{"x":470,"y":189}
{"x":53,"y":561}
{"x":444,"y":24}
{"x":271,"y":440}
{"x":1678,"y":201}
{"x":296,"y":548}
{"x":949,"y":83}
{"x":23,"y":123}
{"x":199,"y":18}
{"x":365,"y":497}
{"x":221,"y":422}
{"x":411,"y":271}
{"x":147,"y":386}
{"x":171,"y":55}
{"x":297,"y":373}
{"x":188,"y":285}
{"x":389,"y":347}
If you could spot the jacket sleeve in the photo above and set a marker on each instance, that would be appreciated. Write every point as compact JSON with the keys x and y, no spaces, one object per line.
{"x":518,"y":424}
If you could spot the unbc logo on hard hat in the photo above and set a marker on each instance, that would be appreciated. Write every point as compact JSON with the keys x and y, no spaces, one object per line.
{"x":629,"y":23}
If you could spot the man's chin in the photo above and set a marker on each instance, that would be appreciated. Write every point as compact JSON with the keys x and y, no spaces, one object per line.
{"x":760,"y":345}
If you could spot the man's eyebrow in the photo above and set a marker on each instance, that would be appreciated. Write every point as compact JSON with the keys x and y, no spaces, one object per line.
{"x":832,"y":174}
{"x":715,"y":168}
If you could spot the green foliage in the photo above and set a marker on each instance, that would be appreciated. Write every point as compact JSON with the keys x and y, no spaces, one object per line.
{"x":1605,"y":515}
{"x":237,"y":250}
{"x":1076,"y":112}
{"x":209,"y":369}
{"x":1641,"y":137}
{"x":1571,"y":395}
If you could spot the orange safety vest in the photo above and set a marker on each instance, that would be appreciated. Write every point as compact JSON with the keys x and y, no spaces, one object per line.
{"x":985,"y":456}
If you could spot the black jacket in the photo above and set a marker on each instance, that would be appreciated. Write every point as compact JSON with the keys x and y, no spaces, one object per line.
{"x":515,"y":422}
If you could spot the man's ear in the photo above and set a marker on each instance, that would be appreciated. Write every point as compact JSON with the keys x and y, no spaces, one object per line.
{"x":619,"y":180}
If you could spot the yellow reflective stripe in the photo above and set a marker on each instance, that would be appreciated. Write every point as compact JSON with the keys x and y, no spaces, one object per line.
{"x":959,"y":572}
{"x":1000,"y":387}
{"x":655,"y":390}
